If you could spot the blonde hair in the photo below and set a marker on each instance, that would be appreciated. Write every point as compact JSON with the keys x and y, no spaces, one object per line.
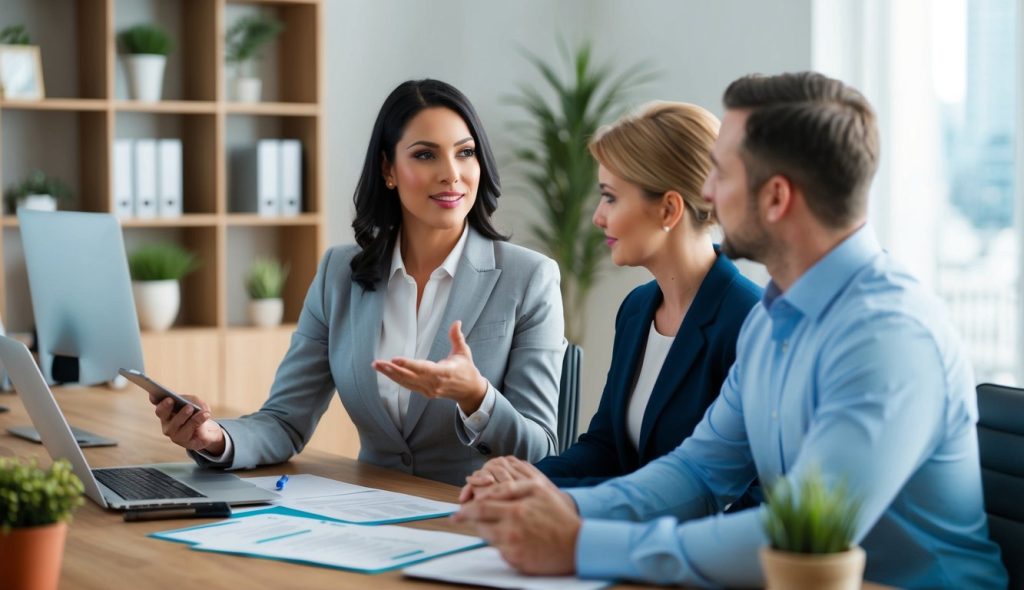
{"x":664,"y":146}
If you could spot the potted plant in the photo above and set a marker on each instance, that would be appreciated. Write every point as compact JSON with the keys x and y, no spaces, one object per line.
{"x":810,"y":532}
{"x":15,"y":35}
{"x":35,"y":508}
{"x":264,"y":283}
{"x":38,"y":192}
{"x":147,"y":48}
{"x":156,"y":271}
{"x":245,"y":42}
{"x":561,"y":175}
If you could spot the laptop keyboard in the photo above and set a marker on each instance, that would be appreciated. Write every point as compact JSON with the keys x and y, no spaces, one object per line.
{"x":144,"y":483}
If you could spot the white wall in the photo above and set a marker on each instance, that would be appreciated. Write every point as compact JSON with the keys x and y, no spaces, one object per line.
{"x":699,"y":46}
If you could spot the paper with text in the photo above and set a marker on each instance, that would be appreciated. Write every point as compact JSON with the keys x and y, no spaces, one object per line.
{"x":485,"y":567}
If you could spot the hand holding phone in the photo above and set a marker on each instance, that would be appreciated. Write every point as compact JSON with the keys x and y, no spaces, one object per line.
{"x":158,"y":391}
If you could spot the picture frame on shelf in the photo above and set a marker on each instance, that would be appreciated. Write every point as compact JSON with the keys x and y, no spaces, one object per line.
{"x":21,"y":73}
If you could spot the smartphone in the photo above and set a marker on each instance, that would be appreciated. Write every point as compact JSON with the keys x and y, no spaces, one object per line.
{"x":139,"y":378}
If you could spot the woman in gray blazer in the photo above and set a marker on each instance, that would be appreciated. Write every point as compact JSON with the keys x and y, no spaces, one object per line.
{"x":466,"y":329}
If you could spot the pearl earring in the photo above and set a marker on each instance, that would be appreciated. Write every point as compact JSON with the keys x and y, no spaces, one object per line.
{"x":666,"y":228}
{"x":391,"y":184}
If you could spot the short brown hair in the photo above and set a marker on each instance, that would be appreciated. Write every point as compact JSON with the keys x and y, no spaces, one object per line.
{"x":664,"y":146}
{"x":816,"y":131}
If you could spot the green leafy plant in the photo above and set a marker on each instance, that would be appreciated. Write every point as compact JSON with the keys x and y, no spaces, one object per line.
{"x":37,"y":183}
{"x":161,"y":262}
{"x":266,"y":278}
{"x":15,"y":35}
{"x":561,"y":174}
{"x":813,"y":518}
{"x":249,"y":35}
{"x":146,"y":40}
{"x":31,"y":496}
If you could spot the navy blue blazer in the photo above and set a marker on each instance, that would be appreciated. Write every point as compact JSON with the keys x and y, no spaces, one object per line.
{"x":690,"y":379}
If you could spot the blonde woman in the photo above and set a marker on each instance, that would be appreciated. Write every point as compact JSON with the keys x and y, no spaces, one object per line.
{"x":675,"y":337}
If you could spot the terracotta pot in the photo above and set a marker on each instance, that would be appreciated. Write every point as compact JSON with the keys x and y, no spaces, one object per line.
{"x":802,"y":571}
{"x":30,"y":557}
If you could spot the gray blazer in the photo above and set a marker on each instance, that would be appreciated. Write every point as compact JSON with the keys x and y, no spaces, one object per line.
{"x":511,"y":310}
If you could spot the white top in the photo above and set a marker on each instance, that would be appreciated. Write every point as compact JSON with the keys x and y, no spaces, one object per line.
{"x":410,"y":334}
{"x":654,"y":358}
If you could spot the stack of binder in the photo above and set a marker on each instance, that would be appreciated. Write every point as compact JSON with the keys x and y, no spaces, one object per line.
{"x":267,"y":178}
{"x":147,"y":180}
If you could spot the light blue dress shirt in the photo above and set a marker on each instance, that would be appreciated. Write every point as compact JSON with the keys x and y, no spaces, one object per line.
{"x":853,"y":371}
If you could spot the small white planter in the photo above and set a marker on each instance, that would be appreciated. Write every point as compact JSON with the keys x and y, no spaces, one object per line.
{"x":156,"y":303}
{"x":247,"y":89}
{"x":38,"y":203}
{"x":266,"y":313}
{"x":145,"y":76}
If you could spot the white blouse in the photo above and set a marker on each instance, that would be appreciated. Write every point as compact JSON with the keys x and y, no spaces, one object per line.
{"x":654,"y":357}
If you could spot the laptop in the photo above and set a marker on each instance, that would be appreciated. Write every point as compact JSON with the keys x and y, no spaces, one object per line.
{"x":118,"y":488}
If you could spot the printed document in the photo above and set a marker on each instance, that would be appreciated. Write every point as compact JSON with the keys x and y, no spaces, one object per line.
{"x":485,"y":567}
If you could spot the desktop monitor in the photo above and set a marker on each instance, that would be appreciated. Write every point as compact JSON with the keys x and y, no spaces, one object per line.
{"x":81,"y":296}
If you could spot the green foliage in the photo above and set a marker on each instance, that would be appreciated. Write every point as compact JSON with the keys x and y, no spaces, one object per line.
{"x":30,"y":496}
{"x":266,"y":278}
{"x":247,"y":37}
{"x":14,"y":35}
{"x":811,"y":519}
{"x":560,"y":172}
{"x":161,"y":262}
{"x":146,"y":40}
{"x":37,"y":183}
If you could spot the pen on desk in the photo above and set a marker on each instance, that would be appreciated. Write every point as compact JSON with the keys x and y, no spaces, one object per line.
{"x":280,"y":483}
{"x":208,"y":510}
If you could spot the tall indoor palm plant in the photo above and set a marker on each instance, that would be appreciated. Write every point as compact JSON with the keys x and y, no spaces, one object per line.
{"x":560,"y":174}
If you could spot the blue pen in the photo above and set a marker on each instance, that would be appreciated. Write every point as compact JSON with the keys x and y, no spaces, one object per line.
{"x":280,"y":483}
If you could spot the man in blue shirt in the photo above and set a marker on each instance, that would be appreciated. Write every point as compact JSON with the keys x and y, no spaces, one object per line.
{"x":847,"y":367}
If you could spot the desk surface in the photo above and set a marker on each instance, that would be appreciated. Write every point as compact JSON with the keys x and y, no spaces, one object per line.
{"x":103,"y":550}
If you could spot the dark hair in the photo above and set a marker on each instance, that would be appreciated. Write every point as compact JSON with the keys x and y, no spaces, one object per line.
{"x":818,"y":132}
{"x":378,"y":211}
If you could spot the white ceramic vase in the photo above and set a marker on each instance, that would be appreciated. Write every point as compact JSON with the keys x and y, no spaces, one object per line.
{"x":38,"y":203}
{"x":247,"y":89}
{"x":145,"y":76}
{"x":266,"y":313}
{"x":156,"y":303}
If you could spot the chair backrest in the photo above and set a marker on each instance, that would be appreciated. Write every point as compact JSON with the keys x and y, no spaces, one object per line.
{"x":569,"y":397}
{"x":1001,"y":444}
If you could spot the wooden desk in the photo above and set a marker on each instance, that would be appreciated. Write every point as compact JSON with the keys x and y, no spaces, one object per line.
{"x":103,"y":551}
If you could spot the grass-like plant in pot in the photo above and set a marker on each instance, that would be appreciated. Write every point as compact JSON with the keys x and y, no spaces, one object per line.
{"x":561,"y":175}
{"x":811,"y":527}
{"x":35,"y":508}
{"x":38,"y":192}
{"x":15,"y":35}
{"x":264,"y":282}
{"x":156,"y":271}
{"x":146,"y":48}
{"x":245,"y":42}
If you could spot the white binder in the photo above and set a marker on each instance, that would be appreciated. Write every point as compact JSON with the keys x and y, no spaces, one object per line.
{"x":291,"y":177}
{"x":256,"y":185}
{"x":122,"y":191}
{"x":145,"y":179}
{"x":170,"y":180}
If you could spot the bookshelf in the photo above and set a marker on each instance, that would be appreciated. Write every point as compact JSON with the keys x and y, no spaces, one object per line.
{"x":210,"y":350}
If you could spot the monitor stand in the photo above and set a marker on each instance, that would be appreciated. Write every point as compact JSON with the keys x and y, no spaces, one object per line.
{"x":84,"y":438}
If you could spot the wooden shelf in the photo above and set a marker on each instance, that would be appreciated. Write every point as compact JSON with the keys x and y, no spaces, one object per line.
{"x":56,"y":104}
{"x":277,"y":109}
{"x":186,"y":220}
{"x":272,"y":2}
{"x":170,"y":107}
{"x":253,"y":220}
{"x":287,"y":328}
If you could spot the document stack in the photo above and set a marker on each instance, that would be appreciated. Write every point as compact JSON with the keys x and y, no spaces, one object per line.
{"x":147,"y":181}
{"x":267,"y":178}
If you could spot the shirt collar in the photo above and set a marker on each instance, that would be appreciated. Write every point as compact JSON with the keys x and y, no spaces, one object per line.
{"x":449,"y":266}
{"x":819,"y":285}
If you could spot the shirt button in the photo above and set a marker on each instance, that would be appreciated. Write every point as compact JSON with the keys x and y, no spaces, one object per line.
{"x":775,"y":415}
{"x":406,"y":459}
{"x":785,"y":345}
{"x":484,"y":449}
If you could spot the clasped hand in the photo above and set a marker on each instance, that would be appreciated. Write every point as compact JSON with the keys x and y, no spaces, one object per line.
{"x":455,"y":378}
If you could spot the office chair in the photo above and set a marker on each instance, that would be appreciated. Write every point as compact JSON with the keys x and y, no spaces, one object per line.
{"x":1001,"y":445}
{"x":569,"y":397}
